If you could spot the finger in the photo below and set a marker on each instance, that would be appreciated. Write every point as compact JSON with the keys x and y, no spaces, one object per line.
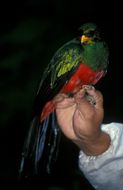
{"x":63,"y":101}
{"x":59,"y":97}
{"x":83,"y":94}
{"x":85,"y":108}
{"x":97,"y":96}
{"x":88,"y":87}
{"x":79,"y":95}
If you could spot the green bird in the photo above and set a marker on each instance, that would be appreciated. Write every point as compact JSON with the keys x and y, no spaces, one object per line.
{"x":81,"y":61}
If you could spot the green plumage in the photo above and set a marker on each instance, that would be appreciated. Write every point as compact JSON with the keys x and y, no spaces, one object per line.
{"x":93,"y":53}
{"x":96,"y":55}
{"x":65,"y":59}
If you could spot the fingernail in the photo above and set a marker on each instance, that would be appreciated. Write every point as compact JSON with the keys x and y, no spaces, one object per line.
{"x":58,"y":98}
{"x":88,"y":87}
{"x":81,"y":94}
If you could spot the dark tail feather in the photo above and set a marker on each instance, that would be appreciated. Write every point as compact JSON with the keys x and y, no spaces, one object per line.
{"x":41,"y":140}
{"x":28,"y":149}
{"x":47,"y":144}
{"x":41,"y":147}
{"x":53,"y":154}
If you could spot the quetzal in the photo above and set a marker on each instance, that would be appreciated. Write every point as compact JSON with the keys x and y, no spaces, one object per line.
{"x":81,"y":61}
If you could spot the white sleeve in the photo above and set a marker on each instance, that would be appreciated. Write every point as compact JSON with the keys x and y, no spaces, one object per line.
{"x":106,"y":170}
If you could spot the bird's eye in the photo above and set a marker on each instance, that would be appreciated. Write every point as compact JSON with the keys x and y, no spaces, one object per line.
{"x":91,"y":33}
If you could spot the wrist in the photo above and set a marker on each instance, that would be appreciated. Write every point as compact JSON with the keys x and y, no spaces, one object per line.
{"x":96,"y":146}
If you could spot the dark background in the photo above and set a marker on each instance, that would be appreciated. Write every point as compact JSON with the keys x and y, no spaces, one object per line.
{"x":30,"y":32}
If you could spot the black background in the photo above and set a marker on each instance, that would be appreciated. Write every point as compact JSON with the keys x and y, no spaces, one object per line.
{"x":30,"y":33}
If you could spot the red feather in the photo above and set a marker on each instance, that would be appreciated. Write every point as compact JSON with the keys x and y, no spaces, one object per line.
{"x":83,"y":76}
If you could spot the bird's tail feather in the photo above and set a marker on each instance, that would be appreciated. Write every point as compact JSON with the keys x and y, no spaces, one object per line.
{"x":48,"y":143}
{"x":28,"y":149}
{"x":41,"y":140}
{"x":41,"y":146}
{"x":54,"y":142}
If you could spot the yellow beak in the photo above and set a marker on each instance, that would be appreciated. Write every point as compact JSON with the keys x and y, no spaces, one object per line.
{"x":85,"y":39}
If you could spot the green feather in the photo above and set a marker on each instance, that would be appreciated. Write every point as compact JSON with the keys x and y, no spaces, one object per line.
{"x":96,"y":55}
{"x":70,"y":60}
{"x":65,"y":59}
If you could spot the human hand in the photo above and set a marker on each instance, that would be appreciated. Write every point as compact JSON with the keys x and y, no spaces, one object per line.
{"x":77,"y":116}
{"x":88,"y":114}
{"x":80,"y":118}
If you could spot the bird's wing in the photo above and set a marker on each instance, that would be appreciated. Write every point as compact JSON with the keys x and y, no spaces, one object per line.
{"x":60,"y":69}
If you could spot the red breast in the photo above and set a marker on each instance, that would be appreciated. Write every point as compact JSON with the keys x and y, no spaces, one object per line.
{"x":83,"y":76}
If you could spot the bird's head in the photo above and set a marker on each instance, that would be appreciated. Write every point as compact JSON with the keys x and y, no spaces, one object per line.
{"x":89,"y":33}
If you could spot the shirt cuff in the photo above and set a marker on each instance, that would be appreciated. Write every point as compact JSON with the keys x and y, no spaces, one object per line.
{"x":112,"y":133}
{"x":103,"y":169}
